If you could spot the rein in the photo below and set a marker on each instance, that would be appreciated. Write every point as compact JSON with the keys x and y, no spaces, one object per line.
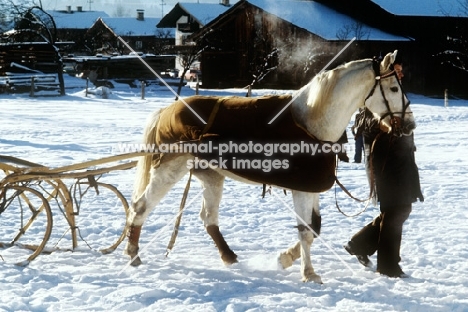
{"x":371,"y":184}
{"x":344,"y":189}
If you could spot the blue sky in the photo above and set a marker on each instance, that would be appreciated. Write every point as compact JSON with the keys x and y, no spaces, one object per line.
{"x":153,"y":8}
{"x":423,"y":7}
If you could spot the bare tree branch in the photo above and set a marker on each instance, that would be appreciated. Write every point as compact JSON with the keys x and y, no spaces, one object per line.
{"x":353,"y":30}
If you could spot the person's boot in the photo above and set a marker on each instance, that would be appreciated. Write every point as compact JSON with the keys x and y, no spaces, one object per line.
{"x":364,"y":242}
{"x":393,"y":271}
{"x":363,"y":259}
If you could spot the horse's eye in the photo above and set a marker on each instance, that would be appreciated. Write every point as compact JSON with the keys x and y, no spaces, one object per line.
{"x":394,"y":89}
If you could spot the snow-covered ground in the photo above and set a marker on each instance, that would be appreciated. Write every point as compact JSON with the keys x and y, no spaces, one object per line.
{"x":66,"y":130}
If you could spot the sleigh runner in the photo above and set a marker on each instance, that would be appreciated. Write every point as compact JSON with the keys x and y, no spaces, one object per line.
{"x":29,"y":191}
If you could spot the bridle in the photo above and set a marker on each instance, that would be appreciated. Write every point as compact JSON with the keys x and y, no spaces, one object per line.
{"x":397,"y":130}
{"x":395,"y":122}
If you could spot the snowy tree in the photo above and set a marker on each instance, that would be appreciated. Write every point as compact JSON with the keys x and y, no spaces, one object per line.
{"x":32,"y":24}
{"x":36,"y":21}
{"x":10,"y":11}
{"x":265,"y":57}
{"x":189,"y":54}
{"x":455,"y":53}
{"x":28,"y":20}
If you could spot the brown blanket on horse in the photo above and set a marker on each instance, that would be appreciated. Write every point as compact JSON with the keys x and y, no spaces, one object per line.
{"x":239,"y":139}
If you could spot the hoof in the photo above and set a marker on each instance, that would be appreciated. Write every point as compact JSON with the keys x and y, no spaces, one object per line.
{"x":312,"y":278}
{"x":285,"y":260}
{"x":132,"y":251}
{"x":135,"y":261}
{"x":229,"y":258}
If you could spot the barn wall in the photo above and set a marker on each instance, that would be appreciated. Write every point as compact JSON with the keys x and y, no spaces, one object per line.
{"x":240,"y":45}
{"x":241,"y":39}
{"x":244,"y":42}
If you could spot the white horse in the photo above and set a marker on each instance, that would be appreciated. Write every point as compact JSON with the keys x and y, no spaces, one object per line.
{"x":323,"y":108}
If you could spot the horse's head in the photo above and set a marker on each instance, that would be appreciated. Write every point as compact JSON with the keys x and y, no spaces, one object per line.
{"x":387,"y":100}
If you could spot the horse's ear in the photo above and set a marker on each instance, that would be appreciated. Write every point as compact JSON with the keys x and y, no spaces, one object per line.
{"x":388,"y":61}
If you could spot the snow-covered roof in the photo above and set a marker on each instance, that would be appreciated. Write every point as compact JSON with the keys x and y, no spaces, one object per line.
{"x":423,"y":7}
{"x":76,"y":19}
{"x":320,"y":19}
{"x":124,"y":26}
{"x":204,"y":12}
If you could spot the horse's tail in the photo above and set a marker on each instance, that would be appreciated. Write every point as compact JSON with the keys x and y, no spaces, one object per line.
{"x":145,"y":162}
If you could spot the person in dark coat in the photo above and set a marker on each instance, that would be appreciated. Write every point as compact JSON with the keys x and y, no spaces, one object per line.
{"x":392,"y":169}
{"x":358,"y":143}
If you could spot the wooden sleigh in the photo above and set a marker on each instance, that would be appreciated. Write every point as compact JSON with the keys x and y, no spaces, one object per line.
{"x":28,"y":191}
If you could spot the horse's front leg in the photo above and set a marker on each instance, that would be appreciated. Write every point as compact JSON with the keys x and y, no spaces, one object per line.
{"x":213,"y":183}
{"x":306,"y":206}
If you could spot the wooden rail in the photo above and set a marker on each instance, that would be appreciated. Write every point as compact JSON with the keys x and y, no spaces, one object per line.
{"x":18,"y":83}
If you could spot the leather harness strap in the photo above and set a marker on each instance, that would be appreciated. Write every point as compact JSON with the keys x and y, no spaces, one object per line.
{"x":212,"y":117}
{"x":175,"y":230}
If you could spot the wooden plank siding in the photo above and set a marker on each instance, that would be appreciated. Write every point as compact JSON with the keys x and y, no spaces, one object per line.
{"x":244,"y":36}
{"x":244,"y":39}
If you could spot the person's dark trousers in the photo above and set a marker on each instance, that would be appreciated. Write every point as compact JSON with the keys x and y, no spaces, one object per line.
{"x":359,"y":148}
{"x":383,"y":235}
{"x":391,"y":229}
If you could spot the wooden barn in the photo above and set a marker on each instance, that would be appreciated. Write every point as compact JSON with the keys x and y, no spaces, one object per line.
{"x":283,"y":44}
{"x":72,"y":25}
{"x":438,"y":28}
{"x":92,"y":32}
{"x":140,"y":33}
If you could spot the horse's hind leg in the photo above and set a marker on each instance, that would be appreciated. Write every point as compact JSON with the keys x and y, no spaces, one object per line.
{"x":306,"y":206}
{"x":161,"y":181}
{"x":212,"y":183}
